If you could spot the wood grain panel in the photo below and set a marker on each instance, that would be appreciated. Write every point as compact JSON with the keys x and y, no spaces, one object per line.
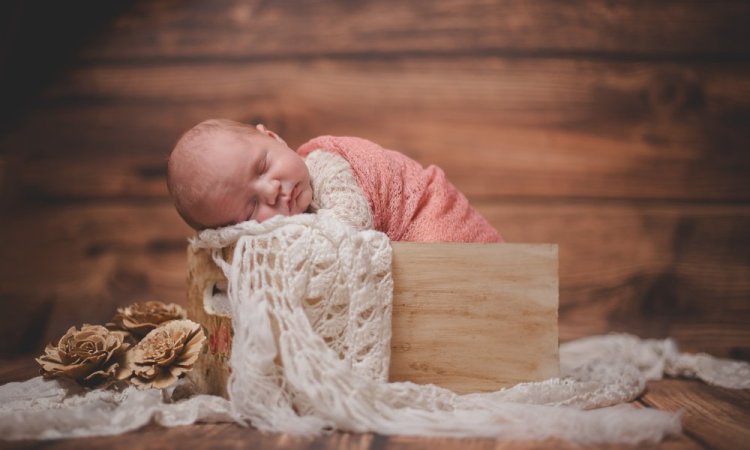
{"x":71,"y":178}
{"x":715,"y":416}
{"x":418,"y":443}
{"x":204,"y":437}
{"x":68,"y":265}
{"x":474,"y":317}
{"x":654,"y":270}
{"x":18,"y":369}
{"x":257,"y":29}
{"x":231,"y":436}
{"x":500,"y":128}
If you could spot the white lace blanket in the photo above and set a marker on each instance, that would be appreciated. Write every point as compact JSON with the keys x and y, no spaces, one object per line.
{"x":327,"y":288}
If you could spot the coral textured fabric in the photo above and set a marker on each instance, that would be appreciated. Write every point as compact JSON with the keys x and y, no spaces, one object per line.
{"x":408,"y":202}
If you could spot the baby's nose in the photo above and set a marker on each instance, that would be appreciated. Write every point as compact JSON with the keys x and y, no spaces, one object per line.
{"x":270,"y":191}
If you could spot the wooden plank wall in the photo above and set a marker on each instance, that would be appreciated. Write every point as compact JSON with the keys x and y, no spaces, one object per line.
{"x":618,"y":130}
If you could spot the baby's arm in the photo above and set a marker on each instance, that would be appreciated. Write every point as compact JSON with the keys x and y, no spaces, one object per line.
{"x":336,"y":190}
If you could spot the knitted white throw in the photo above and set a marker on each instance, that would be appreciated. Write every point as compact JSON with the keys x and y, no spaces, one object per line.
{"x":328,"y":289}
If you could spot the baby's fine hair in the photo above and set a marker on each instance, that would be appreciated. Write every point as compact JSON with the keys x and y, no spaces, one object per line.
{"x":187,"y":153}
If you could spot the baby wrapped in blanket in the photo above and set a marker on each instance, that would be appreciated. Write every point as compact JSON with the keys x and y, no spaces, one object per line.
{"x":223,"y":172}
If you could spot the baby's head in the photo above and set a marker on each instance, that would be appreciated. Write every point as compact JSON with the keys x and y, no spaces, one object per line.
{"x":223,"y":172}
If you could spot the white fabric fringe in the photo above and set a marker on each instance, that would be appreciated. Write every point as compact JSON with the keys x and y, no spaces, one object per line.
{"x":328,"y":290}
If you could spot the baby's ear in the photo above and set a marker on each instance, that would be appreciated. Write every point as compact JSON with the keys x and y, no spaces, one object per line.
{"x":260,"y":127}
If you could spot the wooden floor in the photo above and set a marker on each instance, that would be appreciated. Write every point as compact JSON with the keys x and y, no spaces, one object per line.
{"x":712,"y":418}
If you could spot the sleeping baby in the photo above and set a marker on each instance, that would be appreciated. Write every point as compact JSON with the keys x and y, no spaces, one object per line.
{"x":223,"y":172}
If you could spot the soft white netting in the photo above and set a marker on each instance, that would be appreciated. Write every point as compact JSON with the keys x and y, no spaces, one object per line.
{"x":327,"y":288}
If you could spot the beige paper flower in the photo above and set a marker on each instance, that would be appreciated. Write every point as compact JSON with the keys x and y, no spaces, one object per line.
{"x":93,"y":356}
{"x":166,"y":353}
{"x":141,"y":318}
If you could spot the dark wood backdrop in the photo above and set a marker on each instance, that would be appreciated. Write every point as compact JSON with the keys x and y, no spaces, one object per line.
{"x":618,"y":130}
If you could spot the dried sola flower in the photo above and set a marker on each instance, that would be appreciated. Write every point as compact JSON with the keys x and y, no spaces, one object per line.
{"x":141,"y":318}
{"x":93,"y":356}
{"x":165,"y":353}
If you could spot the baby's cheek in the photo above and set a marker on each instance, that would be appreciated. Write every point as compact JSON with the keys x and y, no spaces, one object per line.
{"x":304,"y":200}
{"x":266,"y":214}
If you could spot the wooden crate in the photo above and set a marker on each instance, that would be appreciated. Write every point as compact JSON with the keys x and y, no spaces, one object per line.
{"x":468,"y":317}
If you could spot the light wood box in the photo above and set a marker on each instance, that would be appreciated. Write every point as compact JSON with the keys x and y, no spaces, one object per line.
{"x":468,"y":317}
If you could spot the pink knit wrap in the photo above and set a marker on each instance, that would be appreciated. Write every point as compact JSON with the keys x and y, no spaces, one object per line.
{"x":408,"y":202}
